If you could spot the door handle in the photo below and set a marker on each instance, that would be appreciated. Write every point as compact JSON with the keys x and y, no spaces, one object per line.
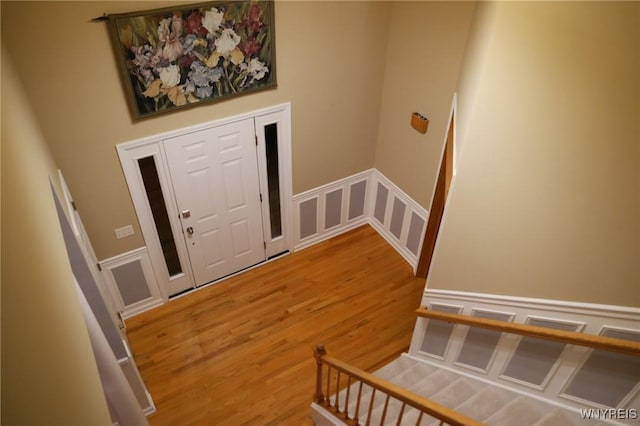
{"x":190,"y":230}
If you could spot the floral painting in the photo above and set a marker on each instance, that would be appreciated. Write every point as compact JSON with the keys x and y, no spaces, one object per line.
{"x":183,"y":56}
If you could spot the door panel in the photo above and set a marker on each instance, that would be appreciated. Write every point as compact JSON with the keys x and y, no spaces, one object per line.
{"x":215,"y":178}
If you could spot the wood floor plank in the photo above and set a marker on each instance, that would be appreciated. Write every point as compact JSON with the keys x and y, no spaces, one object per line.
{"x":239,"y":352}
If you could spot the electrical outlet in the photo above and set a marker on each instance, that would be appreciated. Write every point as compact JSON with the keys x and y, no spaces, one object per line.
{"x":125,"y":231}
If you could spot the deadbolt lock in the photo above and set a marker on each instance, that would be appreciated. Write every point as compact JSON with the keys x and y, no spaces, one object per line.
{"x":186,"y":214}
{"x":190,"y":230}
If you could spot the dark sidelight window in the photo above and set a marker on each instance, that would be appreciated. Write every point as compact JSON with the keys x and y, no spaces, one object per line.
{"x":155,"y":197}
{"x":273,"y":178}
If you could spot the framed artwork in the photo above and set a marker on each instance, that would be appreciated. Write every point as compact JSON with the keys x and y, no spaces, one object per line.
{"x":178,"y":57}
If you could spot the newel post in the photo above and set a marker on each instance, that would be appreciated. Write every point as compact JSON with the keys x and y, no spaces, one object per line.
{"x":318,"y":353}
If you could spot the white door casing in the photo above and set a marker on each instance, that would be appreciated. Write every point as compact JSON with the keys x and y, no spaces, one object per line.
{"x":217,"y":189}
{"x":154,"y":146}
{"x":75,"y":221}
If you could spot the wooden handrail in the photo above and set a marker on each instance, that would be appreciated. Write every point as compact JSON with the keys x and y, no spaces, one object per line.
{"x":572,"y":337}
{"x":422,"y":404}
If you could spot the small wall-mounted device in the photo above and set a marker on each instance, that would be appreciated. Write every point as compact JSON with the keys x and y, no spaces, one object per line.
{"x":125,"y":231}
{"x":419,"y":122}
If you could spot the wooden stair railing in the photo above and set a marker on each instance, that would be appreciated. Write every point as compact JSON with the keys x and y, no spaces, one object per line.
{"x":424,"y":406}
{"x":597,"y":342}
{"x":354,"y":375}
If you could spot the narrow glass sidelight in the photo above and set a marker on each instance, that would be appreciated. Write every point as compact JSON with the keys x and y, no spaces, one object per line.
{"x":273,"y":178}
{"x":152,"y":187}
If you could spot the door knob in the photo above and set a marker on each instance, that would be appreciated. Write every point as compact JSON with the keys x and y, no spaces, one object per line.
{"x":190,"y":230}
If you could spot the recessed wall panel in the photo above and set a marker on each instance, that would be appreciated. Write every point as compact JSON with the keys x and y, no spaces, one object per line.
{"x":308,"y":218}
{"x":607,"y":377}
{"x":397,"y":217}
{"x":333,"y":209}
{"x":382,"y":193}
{"x":416,"y":227}
{"x":357,"y":196}
{"x":480,"y":344}
{"x":438,"y":333}
{"x":533,"y":359}
{"x":131,"y":283}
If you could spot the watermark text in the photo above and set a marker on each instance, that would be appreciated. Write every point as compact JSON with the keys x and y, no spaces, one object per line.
{"x":609,"y":413}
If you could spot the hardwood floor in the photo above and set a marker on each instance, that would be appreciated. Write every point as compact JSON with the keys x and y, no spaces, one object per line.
{"x":240,"y":352}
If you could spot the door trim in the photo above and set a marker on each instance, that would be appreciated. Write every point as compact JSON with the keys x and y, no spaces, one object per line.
{"x":439,"y":196}
{"x":129,"y":152}
{"x":79,"y":231}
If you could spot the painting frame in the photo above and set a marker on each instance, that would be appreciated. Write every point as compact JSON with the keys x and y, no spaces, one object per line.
{"x":182,"y":56}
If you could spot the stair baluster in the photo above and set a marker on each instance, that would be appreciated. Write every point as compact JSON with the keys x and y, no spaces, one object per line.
{"x":337,"y":404}
{"x":389,"y":390}
{"x":346,"y":401}
{"x":373,"y":397}
{"x":384,"y":410}
{"x":404,"y":404}
{"x":356,"y":420}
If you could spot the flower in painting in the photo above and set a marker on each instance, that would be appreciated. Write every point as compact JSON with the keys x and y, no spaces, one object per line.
{"x":188,"y":43}
{"x":204,"y":92}
{"x":227,"y":41}
{"x":212,"y":19}
{"x":257,"y":69}
{"x":254,"y":70}
{"x":170,"y":75}
{"x":201,"y":78}
{"x":145,"y":60}
{"x":253,"y":20}
{"x":255,"y":16}
{"x":144,"y":56}
{"x":193,"y":24}
{"x":169,"y":32}
{"x":202,"y":75}
{"x":250,"y":47}
{"x":236,"y":57}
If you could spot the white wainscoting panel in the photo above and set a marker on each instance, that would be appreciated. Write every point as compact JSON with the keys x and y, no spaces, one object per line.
{"x":398,"y":218}
{"x":131,"y":281}
{"x":331,"y":209}
{"x":557,"y":372}
{"x":366,"y":197}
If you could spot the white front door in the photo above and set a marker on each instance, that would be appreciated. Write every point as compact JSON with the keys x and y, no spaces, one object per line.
{"x":217,"y":189}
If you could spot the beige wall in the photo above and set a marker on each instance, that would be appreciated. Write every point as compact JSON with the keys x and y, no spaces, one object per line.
{"x":330,"y":63}
{"x":49,"y":374}
{"x":548,"y":125}
{"x":424,"y":53}
{"x":546,"y":202}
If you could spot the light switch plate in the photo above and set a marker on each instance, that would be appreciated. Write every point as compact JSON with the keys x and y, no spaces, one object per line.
{"x":125,"y":231}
